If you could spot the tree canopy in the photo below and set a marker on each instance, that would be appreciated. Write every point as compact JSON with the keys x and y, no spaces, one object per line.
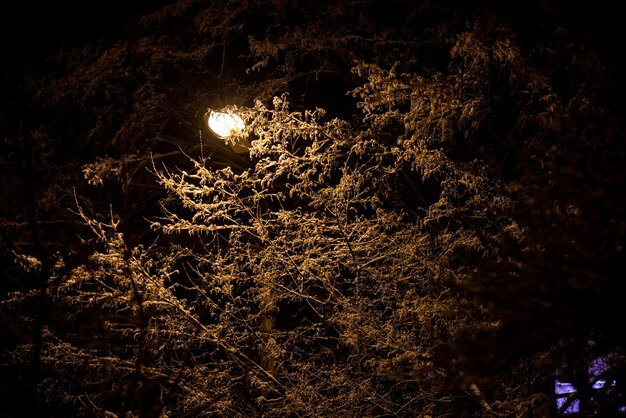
{"x":429,"y":221}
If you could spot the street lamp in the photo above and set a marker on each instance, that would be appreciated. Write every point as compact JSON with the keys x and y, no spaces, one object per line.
{"x":230,"y":127}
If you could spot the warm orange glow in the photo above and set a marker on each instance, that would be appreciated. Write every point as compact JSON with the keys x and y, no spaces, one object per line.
{"x":225,"y":125}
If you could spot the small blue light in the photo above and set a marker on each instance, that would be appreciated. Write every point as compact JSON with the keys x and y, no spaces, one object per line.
{"x":572,"y":409}
{"x":563,"y":387}
{"x":599,"y":384}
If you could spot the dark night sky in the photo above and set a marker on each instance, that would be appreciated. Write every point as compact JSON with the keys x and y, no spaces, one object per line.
{"x":33,"y":29}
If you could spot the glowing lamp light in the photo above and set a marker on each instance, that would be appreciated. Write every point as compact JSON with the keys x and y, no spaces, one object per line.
{"x":225,"y":125}
{"x":229,"y":127}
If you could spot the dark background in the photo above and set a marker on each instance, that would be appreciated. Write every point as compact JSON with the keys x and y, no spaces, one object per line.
{"x":39,"y":41}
